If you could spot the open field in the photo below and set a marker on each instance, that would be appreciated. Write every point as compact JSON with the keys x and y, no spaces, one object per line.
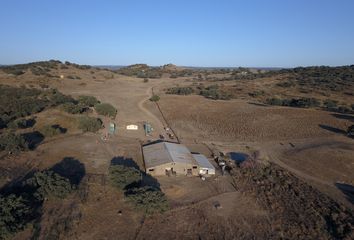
{"x":308,"y":145}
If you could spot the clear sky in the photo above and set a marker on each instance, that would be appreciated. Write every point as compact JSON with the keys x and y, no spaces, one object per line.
{"x":250,"y":33}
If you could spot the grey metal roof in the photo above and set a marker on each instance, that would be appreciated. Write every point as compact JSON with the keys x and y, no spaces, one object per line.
{"x":202,"y":161}
{"x":165,"y":152}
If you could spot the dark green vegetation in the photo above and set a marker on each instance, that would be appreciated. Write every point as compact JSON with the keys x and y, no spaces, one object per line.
{"x":350,"y":131}
{"x":181,"y":73}
{"x":89,"y":101}
{"x":90,"y":124}
{"x":73,"y":108}
{"x":148,"y":199}
{"x":145,"y":71}
{"x":83,"y":103}
{"x":14,"y":215}
{"x":21,"y":201}
{"x":141,"y":71}
{"x":122,"y":176}
{"x":306,"y":213}
{"x":49,"y":184}
{"x":300,"y":102}
{"x":180,"y":90}
{"x":42,"y":68}
{"x":52,"y":130}
{"x":321,"y":78}
{"x":155,"y":98}
{"x":330,"y":105}
{"x":37,"y":68}
{"x":12,"y":142}
{"x":21,"y":102}
{"x":213,"y":91}
{"x":22,"y":123}
{"x":106,"y":109}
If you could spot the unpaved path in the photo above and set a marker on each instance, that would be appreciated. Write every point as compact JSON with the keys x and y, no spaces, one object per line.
{"x":142,"y":108}
{"x":128,"y":95}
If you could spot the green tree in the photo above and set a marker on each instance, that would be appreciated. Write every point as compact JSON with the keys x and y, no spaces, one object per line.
{"x":50,"y":131}
{"x":73,"y":108}
{"x":106,"y":109}
{"x":122,"y":176}
{"x":90,"y":124}
{"x":88,"y":101}
{"x":13,"y":142}
{"x":14,"y":213}
{"x":155,"y":98}
{"x":49,"y":184}
{"x":330,"y":104}
{"x":148,"y":199}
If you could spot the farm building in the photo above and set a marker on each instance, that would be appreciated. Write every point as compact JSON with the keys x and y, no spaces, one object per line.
{"x":165,"y":158}
{"x":205,"y":167}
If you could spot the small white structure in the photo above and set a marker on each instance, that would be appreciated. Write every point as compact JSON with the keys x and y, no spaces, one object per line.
{"x":132,"y":127}
{"x":205,"y":167}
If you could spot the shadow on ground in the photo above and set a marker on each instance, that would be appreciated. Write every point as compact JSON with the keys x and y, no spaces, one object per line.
{"x":258,"y":104}
{"x":147,"y":179}
{"x":33,"y":139}
{"x":348,"y":190}
{"x":344,"y":116}
{"x":332,"y":129}
{"x":61,"y":129}
{"x":70,"y":168}
{"x":127,"y":162}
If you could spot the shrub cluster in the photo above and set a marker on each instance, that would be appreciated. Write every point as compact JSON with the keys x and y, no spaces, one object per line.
{"x":214,"y":92}
{"x":122,"y":176}
{"x":49,"y":184}
{"x":37,"y":68}
{"x":294,"y":102}
{"x":21,"y":102}
{"x":145,"y":198}
{"x":51,"y":130}
{"x":22,"y":204}
{"x":73,"y":108}
{"x":14,"y":143}
{"x":155,"y":98}
{"x":141,"y":71}
{"x":256,"y":93}
{"x":14,"y":211}
{"x":88,"y":101}
{"x":90,"y":124}
{"x":183,"y":73}
{"x":106,"y":109}
{"x":180,"y":90}
{"x":21,"y":123}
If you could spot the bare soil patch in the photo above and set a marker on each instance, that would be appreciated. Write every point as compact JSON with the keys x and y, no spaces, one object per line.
{"x":197,"y":117}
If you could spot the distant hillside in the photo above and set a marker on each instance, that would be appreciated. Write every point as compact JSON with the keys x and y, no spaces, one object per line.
{"x":40,"y":68}
{"x":323,"y":77}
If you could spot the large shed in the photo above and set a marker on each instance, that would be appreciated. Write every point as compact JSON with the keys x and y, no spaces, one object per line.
{"x":165,"y":158}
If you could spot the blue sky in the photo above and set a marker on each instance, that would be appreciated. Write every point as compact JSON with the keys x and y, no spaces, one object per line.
{"x":260,"y":33}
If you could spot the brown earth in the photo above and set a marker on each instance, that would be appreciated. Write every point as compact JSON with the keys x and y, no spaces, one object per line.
{"x":308,"y":143}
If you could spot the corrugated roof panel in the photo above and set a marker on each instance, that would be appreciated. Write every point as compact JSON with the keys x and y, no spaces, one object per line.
{"x":156,"y":155}
{"x":202,"y":161}
{"x":165,"y":152}
{"x":180,"y":153}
